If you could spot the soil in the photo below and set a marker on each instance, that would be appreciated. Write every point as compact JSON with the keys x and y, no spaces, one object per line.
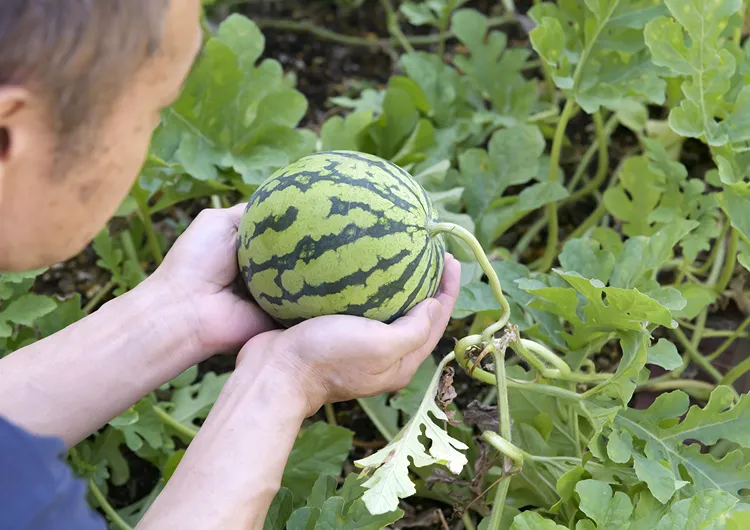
{"x":325,"y":69}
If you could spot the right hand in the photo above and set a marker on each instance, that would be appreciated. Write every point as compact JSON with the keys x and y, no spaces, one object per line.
{"x":339,"y":357}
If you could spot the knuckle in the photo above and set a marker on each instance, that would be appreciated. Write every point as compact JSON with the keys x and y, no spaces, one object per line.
{"x":206,"y":215}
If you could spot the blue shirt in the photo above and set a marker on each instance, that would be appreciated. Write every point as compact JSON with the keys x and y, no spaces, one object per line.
{"x":38,"y":491}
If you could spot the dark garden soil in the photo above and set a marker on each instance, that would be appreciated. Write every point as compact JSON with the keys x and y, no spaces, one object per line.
{"x":325,"y":69}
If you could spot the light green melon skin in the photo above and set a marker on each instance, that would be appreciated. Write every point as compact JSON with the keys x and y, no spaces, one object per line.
{"x":337,"y":247}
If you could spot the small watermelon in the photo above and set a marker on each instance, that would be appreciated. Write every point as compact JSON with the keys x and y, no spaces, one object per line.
{"x":340,"y":232}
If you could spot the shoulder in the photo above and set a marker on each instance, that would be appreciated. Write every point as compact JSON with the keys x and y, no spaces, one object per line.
{"x":39,"y":489}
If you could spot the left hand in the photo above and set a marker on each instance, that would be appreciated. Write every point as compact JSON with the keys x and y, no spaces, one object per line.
{"x":199,"y":274}
{"x":341,"y":357}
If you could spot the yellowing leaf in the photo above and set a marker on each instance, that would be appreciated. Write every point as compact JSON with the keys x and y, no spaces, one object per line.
{"x":389,"y":467}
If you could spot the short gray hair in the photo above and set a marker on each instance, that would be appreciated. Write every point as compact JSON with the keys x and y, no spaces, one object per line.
{"x":77,"y":53}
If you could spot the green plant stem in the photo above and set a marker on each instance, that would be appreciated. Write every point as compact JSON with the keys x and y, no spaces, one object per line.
{"x":714,"y":251}
{"x":735,"y":373}
{"x":602,"y":144}
{"x":697,"y":357}
{"x":145,"y":215}
{"x":320,"y":32}
{"x":521,"y":347}
{"x":695,"y":342}
{"x":498,"y":505}
{"x":107,"y":508}
{"x":553,"y":237}
{"x":716,"y":266}
{"x":330,"y":414}
{"x":503,"y":407}
{"x":576,"y":428}
{"x":100,"y":294}
{"x":713,"y":333}
{"x":697,"y":389}
{"x":543,"y":115}
{"x":730,"y":259}
{"x":525,"y":347}
{"x":547,"y":390}
{"x":169,"y":421}
{"x":126,"y":238}
{"x":700,"y":325}
{"x":736,"y":334}
{"x":590,"y":222}
{"x":376,"y":420}
{"x":444,"y":24}
{"x":349,"y":40}
{"x":553,"y":232}
{"x":468,"y":523}
{"x":468,"y":238}
{"x":394,"y":27}
{"x":503,"y":412}
{"x":528,"y":236}
{"x":506,"y":448}
{"x":583,"y":164}
{"x":692,"y":346}
{"x":546,"y":354}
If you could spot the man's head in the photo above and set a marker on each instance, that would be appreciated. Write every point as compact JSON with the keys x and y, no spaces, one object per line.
{"x":81,"y":86}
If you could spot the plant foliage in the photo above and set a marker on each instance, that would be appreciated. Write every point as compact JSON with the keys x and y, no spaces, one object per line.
{"x":611,"y":259}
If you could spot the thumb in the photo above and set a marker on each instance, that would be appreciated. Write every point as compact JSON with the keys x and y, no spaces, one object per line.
{"x":413,"y":330}
{"x":235,"y":213}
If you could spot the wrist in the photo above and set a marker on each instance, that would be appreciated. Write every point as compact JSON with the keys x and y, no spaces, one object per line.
{"x":270,"y":357}
{"x":165,"y":328}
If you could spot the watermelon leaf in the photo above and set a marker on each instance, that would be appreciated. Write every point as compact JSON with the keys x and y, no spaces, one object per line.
{"x":594,"y":51}
{"x":664,"y":354}
{"x":280,"y":510}
{"x":16,"y":282}
{"x":429,"y":12}
{"x":25,"y":309}
{"x":388,"y":468}
{"x":609,"y":510}
{"x":666,"y":438}
{"x":705,"y":510}
{"x":194,"y":402}
{"x":319,"y":450}
{"x":690,"y":45}
{"x":494,"y":70}
{"x":236,"y":114}
{"x":534,"y":521}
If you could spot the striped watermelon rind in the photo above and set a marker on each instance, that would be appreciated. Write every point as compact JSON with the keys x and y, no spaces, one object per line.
{"x":340,"y":232}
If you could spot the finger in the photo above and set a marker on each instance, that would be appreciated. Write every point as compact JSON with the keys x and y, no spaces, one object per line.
{"x":220,"y":218}
{"x":450,"y":283}
{"x":447,"y":295}
{"x":235,"y":213}
{"x":411,"y":331}
{"x":423,"y":326}
{"x":403,"y":372}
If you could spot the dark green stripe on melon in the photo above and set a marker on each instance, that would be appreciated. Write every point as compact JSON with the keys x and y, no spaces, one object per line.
{"x":339,"y":233}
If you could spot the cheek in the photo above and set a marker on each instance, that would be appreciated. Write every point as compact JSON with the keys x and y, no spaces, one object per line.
{"x":108,"y":181}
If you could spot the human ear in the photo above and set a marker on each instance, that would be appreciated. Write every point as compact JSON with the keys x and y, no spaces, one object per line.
{"x":13,"y":102}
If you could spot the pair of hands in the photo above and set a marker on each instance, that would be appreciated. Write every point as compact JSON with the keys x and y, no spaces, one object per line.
{"x":331,"y":358}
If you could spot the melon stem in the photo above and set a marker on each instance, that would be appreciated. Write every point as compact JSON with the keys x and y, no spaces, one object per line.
{"x":468,"y":238}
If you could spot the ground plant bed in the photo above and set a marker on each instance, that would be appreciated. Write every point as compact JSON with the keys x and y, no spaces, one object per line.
{"x":589,"y":161}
